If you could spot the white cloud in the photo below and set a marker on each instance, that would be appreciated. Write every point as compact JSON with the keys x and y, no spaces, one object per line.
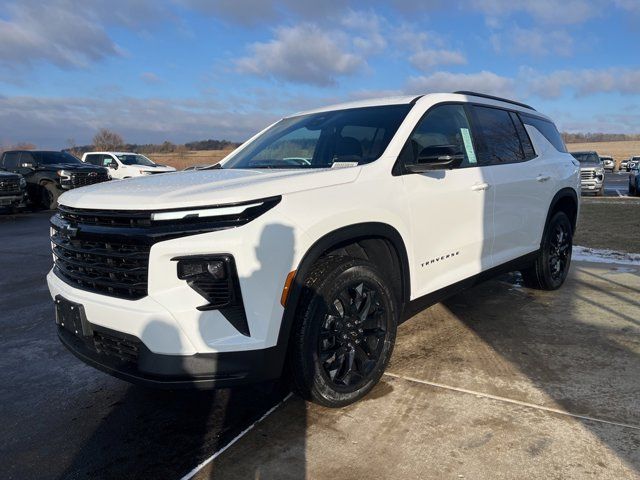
{"x":533,"y":41}
{"x":47,"y":122}
{"x":548,"y":11}
{"x":582,"y":82}
{"x":302,"y":54}
{"x":427,"y":59}
{"x":68,"y":33}
{"x":483,"y":82}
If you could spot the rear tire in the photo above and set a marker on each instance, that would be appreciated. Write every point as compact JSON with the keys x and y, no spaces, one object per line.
{"x":344,"y":331}
{"x":550,"y":269}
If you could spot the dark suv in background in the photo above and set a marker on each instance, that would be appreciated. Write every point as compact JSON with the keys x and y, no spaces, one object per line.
{"x":49,"y":173}
{"x":12,"y":190}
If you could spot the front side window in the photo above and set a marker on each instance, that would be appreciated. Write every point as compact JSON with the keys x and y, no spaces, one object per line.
{"x":444,"y":127}
{"x":355,"y":136}
{"x":498,"y":140}
{"x":133,"y":159}
{"x":94,"y":160}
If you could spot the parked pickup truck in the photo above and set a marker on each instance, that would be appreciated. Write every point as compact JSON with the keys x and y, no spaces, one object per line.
{"x":123,"y":165}
{"x":50,"y":173}
{"x":12,"y":190}
{"x":591,"y":172}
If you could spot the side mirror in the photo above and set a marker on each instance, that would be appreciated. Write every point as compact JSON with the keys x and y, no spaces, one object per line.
{"x":113,"y":165}
{"x":437,"y":157}
{"x":28,"y":165}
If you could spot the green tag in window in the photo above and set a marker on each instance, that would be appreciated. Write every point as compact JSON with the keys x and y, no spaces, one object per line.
{"x":468,"y":145}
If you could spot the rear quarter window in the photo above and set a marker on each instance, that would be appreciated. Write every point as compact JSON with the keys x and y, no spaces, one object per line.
{"x":547,"y":129}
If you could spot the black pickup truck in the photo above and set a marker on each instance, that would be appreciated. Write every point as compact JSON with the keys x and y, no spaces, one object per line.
{"x":49,"y":173}
{"x":12,"y":190}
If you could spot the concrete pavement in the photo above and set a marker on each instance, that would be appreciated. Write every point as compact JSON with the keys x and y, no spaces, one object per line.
{"x":574,"y":351}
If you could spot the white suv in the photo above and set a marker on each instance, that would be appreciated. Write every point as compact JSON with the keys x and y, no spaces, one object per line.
{"x":309,"y":243}
{"x":123,"y":165}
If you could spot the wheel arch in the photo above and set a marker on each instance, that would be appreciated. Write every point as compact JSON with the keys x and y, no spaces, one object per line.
{"x":565,"y":200}
{"x":333,"y":242}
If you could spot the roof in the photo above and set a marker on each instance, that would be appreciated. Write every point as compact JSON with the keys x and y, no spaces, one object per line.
{"x":112,"y":153}
{"x":462,"y":96}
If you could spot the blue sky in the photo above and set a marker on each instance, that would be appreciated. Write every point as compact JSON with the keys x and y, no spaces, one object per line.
{"x":193,"y":69}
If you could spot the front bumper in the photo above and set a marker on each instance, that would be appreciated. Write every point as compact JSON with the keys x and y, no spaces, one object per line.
{"x":12,"y":200}
{"x":592,"y":185}
{"x":199,"y":371}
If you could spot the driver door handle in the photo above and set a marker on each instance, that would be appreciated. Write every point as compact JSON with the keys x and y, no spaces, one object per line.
{"x":543,"y":178}
{"x":479,"y":187}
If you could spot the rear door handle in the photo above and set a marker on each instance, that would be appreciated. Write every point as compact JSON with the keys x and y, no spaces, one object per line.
{"x":478,"y":187}
{"x":543,"y":178}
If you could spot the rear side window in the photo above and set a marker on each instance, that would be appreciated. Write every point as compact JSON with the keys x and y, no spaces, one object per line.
{"x":497,"y":139}
{"x":525,"y":141}
{"x":546,"y":128}
{"x":10,"y":160}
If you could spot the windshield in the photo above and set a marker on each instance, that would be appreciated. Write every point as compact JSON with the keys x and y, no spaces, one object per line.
{"x":52,"y":158}
{"x":135,"y":159}
{"x":319,"y":140}
{"x":586,"y":157}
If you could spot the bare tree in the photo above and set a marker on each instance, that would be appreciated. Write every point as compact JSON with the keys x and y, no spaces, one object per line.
{"x":107,"y":140}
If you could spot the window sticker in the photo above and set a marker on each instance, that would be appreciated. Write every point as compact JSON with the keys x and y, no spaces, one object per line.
{"x":468,"y":145}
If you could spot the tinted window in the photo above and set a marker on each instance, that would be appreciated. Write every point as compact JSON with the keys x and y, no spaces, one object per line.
{"x":133,"y":159}
{"x":94,"y":159}
{"x":446,"y":125}
{"x":52,"y":158}
{"x":547,"y":129}
{"x":525,"y":141}
{"x":10,"y":160}
{"x":498,"y":140}
{"x":321,"y":139}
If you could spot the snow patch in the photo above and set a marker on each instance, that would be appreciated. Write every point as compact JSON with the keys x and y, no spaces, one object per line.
{"x":598,"y":255}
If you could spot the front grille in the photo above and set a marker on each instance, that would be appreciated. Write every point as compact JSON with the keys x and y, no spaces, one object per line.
{"x":116,"y":346}
{"x":587,"y":174}
{"x":105,"y":218}
{"x":82,"y":179}
{"x":100,"y":261}
{"x":11,"y":185}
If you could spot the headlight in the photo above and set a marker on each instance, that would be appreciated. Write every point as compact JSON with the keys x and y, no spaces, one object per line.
{"x":222,"y":216}
{"x":63,"y":174}
{"x":144,"y":172}
{"x":23,"y":183}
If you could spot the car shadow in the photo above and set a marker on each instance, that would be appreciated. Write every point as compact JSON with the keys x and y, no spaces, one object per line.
{"x":572,"y":346}
{"x":166,"y":434}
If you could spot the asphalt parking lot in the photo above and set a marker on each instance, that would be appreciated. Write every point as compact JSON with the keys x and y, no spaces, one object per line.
{"x":496,"y":382}
{"x":616,"y":184}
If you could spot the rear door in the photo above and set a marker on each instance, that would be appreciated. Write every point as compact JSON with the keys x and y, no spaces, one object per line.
{"x":451,"y":210}
{"x":521,"y":181}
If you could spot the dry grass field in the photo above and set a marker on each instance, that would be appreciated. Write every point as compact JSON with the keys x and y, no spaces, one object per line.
{"x":618,"y":150}
{"x":181,"y":160}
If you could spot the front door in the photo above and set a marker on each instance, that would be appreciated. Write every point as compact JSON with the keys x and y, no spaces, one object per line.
{"x":451,"y":210}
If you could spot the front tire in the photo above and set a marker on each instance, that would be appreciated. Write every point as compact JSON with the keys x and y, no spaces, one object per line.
{"x":344,"y":331}
{"x":551,"y":268}
{"x":50,"y":195}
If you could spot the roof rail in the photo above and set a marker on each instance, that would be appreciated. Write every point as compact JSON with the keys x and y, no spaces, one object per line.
{"x":491,"y":97}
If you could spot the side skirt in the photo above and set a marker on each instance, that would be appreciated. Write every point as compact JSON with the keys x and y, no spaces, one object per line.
{"x":421,"y":303}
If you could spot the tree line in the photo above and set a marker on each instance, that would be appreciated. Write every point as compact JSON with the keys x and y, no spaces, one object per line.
{"x":598,"y":137}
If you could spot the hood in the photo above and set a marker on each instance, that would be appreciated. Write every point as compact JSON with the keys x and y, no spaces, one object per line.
{"x":203,"y":187}
{"x":155,"y":168}
{"x":72,"y":166}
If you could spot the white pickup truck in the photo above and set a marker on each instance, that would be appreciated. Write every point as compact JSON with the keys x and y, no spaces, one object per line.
{"x":123,"y":165}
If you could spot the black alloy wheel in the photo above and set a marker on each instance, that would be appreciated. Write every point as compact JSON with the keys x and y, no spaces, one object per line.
{"x":352,"y":336}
